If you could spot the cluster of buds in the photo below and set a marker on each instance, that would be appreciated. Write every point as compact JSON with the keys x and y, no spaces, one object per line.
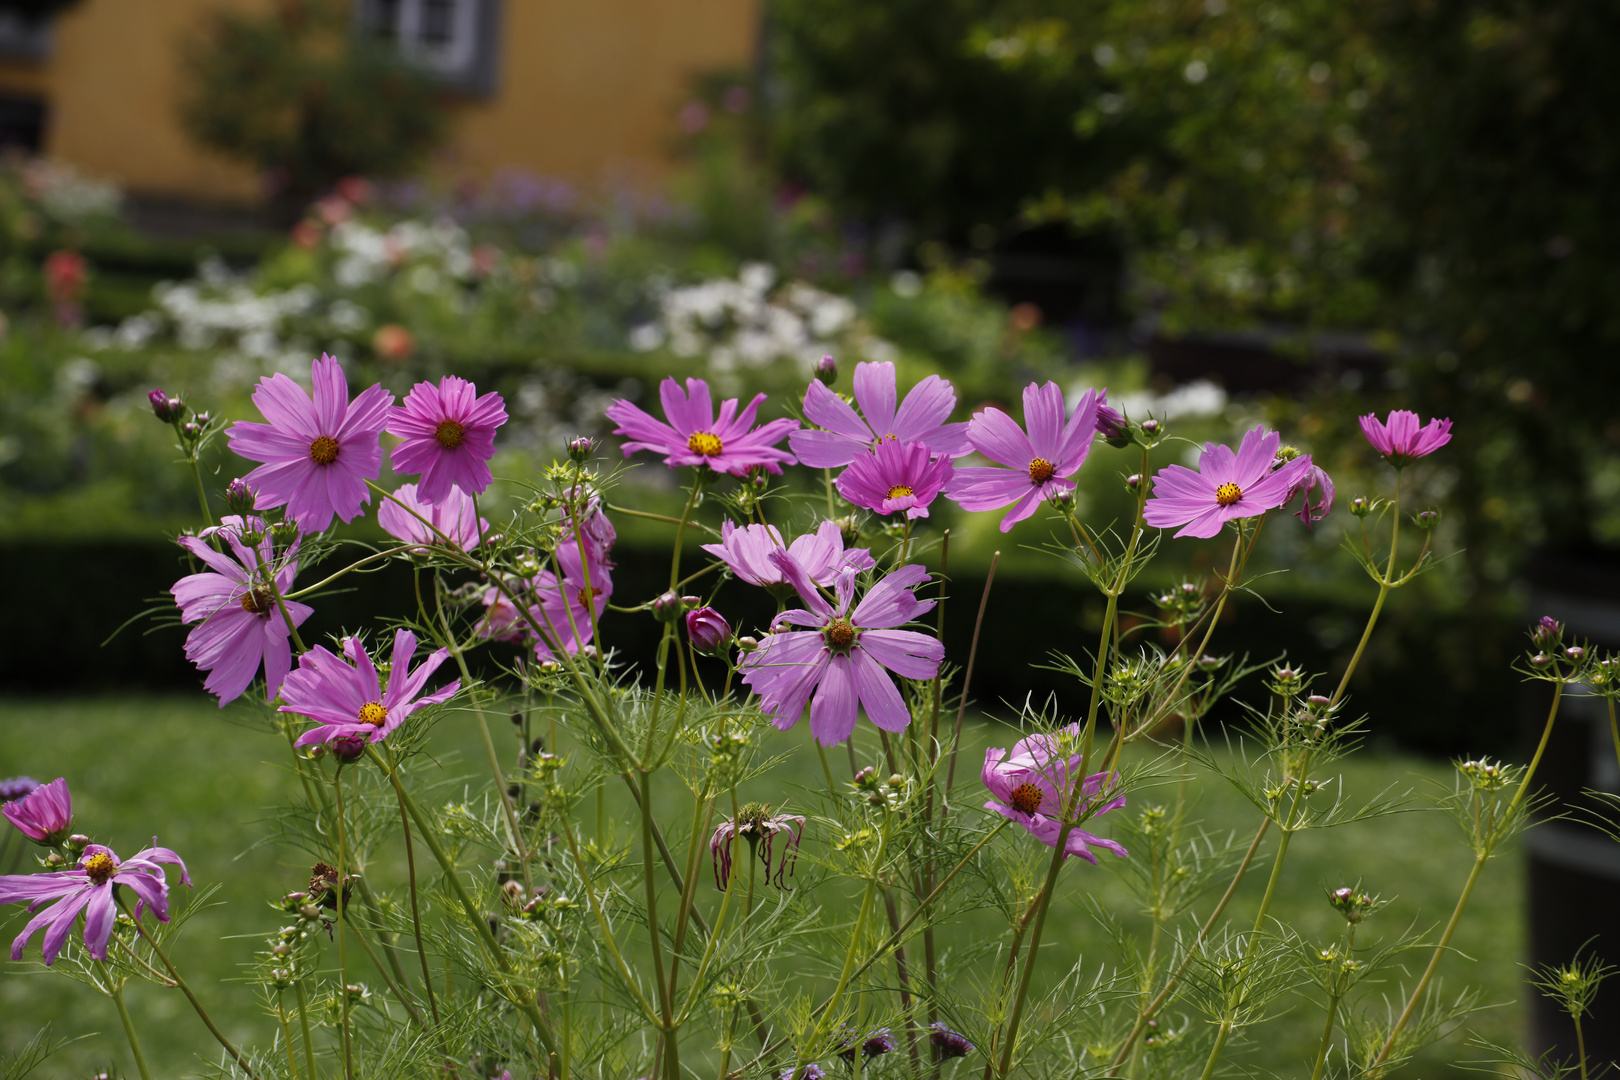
{"x":1352,"y":903}
{"x":1180,"y":604}
{"x":877,"y":790}
{"x":1117,"y":430}
{"x":580,"y":449}
{"x":1484,"y":774}
{"x":174,"y":411}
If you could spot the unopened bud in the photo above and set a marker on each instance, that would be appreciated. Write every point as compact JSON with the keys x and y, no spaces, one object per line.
{"x":849,"y":529}
{"x":579,"y":450}
{"x":1575,"y":652}
{"x":1149,"y":426}
{"x":1062,"y":499}
{"x":53,"y":859}
{"x":204,"y":419}
{"x":747,"y":643}
{"x":78,"y":842}
{"x":1426,"y":519}
{"x":1133,"y":483}
{"x":239,"y":497}
{"x":896,"y":780}
{"x":1540,"y":660}
{"x":1316,"y":701}
{"x":708,"y":630}
{"x":826,"y":369}
{"x":310,"y":912}
{"x":165,"y":408}
{"x":348,"y":748}
{"x":282,"y":949}
{"x":190,"y":430}
{"x":1361,"y":506}
{"x":668,"y":607}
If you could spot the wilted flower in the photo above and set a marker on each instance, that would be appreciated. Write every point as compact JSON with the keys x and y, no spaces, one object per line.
{"x":239,"y":625}
{"x":847,"y":434}
{"x":948,"y":1044}
{"x":694,"y":436}
{"x":449,"y":437}
{"x":758,"y":826}
{"x":454,"y":515}
{"x":44,"y":812}
{"x":842,"y":660}
{"x":1038,"y":464}
{"x":1226,"y":487}
{"x":895,"y":478}
{"x":88,"y":887}
{"x":1311,"y":510}
{"x":708,"y":630}
{"x":1033,"y":784}
{"x":1401,"y":439}
{"x":347,"y":700}
{"x":317,"y":453}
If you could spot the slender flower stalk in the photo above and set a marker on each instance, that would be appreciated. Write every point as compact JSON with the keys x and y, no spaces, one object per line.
{"x":117,"y":994}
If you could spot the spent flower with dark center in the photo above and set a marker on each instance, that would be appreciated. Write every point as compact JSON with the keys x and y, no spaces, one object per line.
{"x":948,"y":1044}
{"x":323,"y":883}
{"x":756,"y":824}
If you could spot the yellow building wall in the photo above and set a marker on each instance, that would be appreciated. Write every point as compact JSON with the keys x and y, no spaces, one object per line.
{"x":587,"y":90}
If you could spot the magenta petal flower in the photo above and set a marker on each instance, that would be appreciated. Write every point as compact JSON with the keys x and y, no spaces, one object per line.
{"x":747,"y":553}
{"x":15,"y":787}
{"x":454,"y":515}
{"x":565,"y":609}
{"x":239,"y":626}
{"x":1038,"y":464}
{"x":1226,"y":487}
{"x":1402,"y":440}
{"x":846,"y":659}
{"x":44,"y":814}
{"x":1312,"y":509}
{"x":348,"y":700}
{"x":846,"y":434}
{"x":1032,"y":785}
{"x":317,"y":454}
{"x":895,"y":478}
{"x":708,"y":630}
{"x":88,"y":888}
{"x":695,"y":436}
{"x":449,"y":434}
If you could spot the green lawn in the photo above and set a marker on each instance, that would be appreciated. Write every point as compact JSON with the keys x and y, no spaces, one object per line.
{"x":205,"y":785}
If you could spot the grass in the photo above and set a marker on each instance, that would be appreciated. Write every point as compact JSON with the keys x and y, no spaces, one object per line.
{"x":207,"y":787}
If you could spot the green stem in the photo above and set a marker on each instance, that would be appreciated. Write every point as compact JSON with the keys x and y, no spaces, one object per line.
{"x":343,"y":948}
{"x":129,"y":1030}
{"x":303,"y":1023}
{"x":666,"y":1008}
{"x":1221,"y":1036}
{"x":1480,"y":859}
{"x":1580,"y":1043}
{"x":202,"y":494}
{"x":286,"y":1035}
{"x":202,"y":1013}
{"x":474,"y":919}
{"x":281,"y":604}
{"x":351,"y":568}
{"x":393,"y":988}
{"x":416,"y":912}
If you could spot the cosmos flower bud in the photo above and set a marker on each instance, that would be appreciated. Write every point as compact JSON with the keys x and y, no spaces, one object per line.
{"x":1361,"y":506}
{"x":747,"y":643}
{"x":1575,"y":652}
{"x":579,"y":450}
{"x":239,"y":497}
{"x":1547,"y":632}
{"x":1426,"y":519}
{"x":78,"y":842}
{"x":190,"y":430}
{"x":1112,"y":426}
{"x":826,"y":369}
{"x":1133,"y":483}
{"x":165,"y":408}
{"x":1150,"y":427}
{"x":1062,"y":499}
{"x":1540,"y":660}
{"x":668,"y":607}
{"x":348,"y":748}
{"x":708,"y":630}
{"x":53,"y":859}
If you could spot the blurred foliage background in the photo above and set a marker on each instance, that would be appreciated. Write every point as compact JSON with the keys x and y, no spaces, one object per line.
{"x":1228,"y":213}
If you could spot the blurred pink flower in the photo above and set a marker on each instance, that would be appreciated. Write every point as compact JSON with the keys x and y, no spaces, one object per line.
{"x":454,"y":516}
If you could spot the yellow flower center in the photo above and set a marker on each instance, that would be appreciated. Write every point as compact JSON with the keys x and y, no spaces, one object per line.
{"x":373,"y":713}
{"x":1027,"y":797}
{"x":324,"y":450}
{"x":899,"y":491}
{"x":449,"y":434}
{"x":706,"y":443}
{"x":258,"y":601}
{"x":840,"y":634}
{"x":1041,"y":470}
{"x":1228,"y":493}
{"x":100,"y":867}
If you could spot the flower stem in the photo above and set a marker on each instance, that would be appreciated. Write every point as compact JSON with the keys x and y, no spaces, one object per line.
{"x":967,"y":675}
{"x":286,"y":1035}
{"x":343,"y":949}
{"x":129,"y":1030}
{"x":1580,"y":1043}
{"x":303,"y":1022}
{"x":1480,"y":859}
{"x":416,"y":912}
{"x":202,"y":1013}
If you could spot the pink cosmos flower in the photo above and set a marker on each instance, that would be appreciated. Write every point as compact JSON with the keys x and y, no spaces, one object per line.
{"x":1038,"y":465}
{"x":1032,"y":784}
{"x":846,"y":434}
{"x":558,"y":606}
{"x":239,"y":626}
{"x":1402,"y":440}
{"x":1226,"y":487}
{"x":747,"y":553}
{"x":317,"y":454}
{"x":449,"y":433}
{"x":895,"y":478}
{"x":347,"y":700}
{"x":1311,"y":510}
{"x":44,"y":814}
{"x":693,"y":436}
{"x":842,"y":660}
{"x":708,"y":630}
{"x":88,"y":887}
{"x":454,"y":515}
